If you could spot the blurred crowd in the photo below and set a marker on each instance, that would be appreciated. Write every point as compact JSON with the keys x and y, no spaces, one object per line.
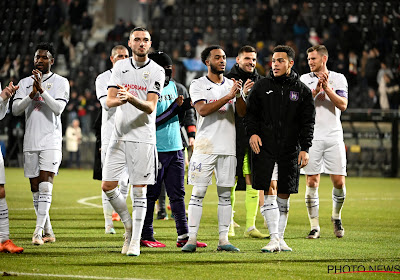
{"x":362,"y":45}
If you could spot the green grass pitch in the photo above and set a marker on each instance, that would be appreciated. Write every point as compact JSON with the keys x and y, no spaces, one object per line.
{"x":371,"y":218}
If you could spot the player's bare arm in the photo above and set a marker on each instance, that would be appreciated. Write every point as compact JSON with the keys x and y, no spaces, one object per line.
{"x":339,"y":101}
{"x":205,"y":109}
{"x":112,"y":99}
{"x":147,"y":106}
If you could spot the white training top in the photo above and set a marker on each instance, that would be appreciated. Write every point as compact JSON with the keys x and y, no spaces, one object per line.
{"x":327,"y":115}
{"x":132,"y":124}
{"x":3,"y":106}
{"x":42,"y":113}
{"x":108,"y":114}
{"x":216,"y":132}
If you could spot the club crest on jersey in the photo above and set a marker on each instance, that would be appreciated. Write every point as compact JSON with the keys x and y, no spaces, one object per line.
{"x":157,"y":86}
{"x":49,"y":85}
{"x":146,"y":75}
{"x":294,"y":95}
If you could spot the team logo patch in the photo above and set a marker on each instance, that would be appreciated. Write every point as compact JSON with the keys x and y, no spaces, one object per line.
{"x":146,"y":75}
{"x":49,"y":85}
{"x":157,"y":85}
{"x":294,"y":95}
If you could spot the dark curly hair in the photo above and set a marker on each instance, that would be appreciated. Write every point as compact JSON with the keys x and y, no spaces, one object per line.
{"x":206,"y":53}
{"x":46,"y":46}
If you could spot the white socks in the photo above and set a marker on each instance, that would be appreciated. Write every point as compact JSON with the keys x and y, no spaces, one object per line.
{"x":107,"y":209}
{"x":283,"y":205}
{"x":139,"y":207}
{"x":43,"y":205}
{"x":224,"y":213}
{"x":4,"y":224}
{"x":195,"y":211}
{"x":119,"y":204}
{"x":270,"y":212}
{"x":312,"y":203}
{"x":338,"y":197}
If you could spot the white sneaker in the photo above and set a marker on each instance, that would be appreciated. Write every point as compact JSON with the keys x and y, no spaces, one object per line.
{"x":127,"y":241}
{"x":134,"y":248}
{"x":37,"y":239}
{"x":110,"y":229}
{"x":284,"y":246}
{"x":272,"y":246}
{"x":49,"y":237}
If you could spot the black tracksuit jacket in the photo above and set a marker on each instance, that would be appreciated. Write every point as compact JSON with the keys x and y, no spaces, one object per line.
{"x":242,"y":141}
{"x":280,"y":110}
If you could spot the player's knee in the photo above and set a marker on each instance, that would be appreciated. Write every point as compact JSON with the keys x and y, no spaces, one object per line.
{"x":312,"y":182}
{"x":2,"y":191}
{"x":108,"y":186}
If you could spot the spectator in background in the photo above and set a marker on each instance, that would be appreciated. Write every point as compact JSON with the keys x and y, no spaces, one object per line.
{"x":341,"y":65}
{"x":73,"y":136}
{"x":196,"y":35}
{"x":372,"y":68}
{"x":188,"y":50}
{"x":372,"y":101}
{"x":210,"y":36}
{"x":72,"y":107}
{"x":389,"y":93}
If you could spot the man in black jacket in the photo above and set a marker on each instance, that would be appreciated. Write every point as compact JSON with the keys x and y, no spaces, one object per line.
{"x":280,"y":123}
{"x":245,"y":70}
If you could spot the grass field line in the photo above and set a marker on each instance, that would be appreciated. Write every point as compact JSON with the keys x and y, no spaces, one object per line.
{"x":84,"y":201}
{"x":13,"y":273}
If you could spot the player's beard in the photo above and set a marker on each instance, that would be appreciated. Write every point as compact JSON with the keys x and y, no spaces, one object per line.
{"x":141,"y":54}
{"x":214,"y":70}
{"x":45,"y":69}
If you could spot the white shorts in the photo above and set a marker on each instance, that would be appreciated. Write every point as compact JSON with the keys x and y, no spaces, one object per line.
{"x":275,"y":173}
{"x":140,"y":158}
{"x":202,"y":166}
{"x":2,"y":173}
{"x":47,"y":160}
{"x":327,"y":157}
{"x":125,"y":175}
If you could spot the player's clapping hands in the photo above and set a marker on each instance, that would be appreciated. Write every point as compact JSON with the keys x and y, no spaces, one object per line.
{"x":123,"y":94}
{"x":37,"y":81}
{"x":247,"y":86}
{"x":235,"y":90}
{"x":9,"y":91}
{"x":317,"y":94}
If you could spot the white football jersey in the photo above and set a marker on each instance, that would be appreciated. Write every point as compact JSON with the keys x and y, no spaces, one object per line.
{"x":108,"y":116}
{"x":327,"y":115}
{"x":42,"y":126}
{"x":216,"y":132}
{"x":3,"y":106}
{"x":132,"y":124}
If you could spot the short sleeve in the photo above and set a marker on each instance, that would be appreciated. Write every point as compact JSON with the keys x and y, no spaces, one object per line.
{"x":157,"y":82}
{"x":115,"y":78}
{"x":63,"y":91}
{"x":342,"y":86}
{"x":196,"y":92}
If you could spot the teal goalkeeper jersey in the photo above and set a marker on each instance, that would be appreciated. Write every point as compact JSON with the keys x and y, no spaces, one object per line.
{"x":168,"y":134}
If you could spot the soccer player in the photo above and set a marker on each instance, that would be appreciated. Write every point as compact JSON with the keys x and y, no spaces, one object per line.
{"x":119,"y":52}
{"x":171,"y":160}
{"x":134,"y":87}
{"x":43,"y":97}
{"x":245,"y":70}
{"x":327,"y":154}
{"x":6,"y":244}
{"x":215,"y":99}
{"x":280,"y":123}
